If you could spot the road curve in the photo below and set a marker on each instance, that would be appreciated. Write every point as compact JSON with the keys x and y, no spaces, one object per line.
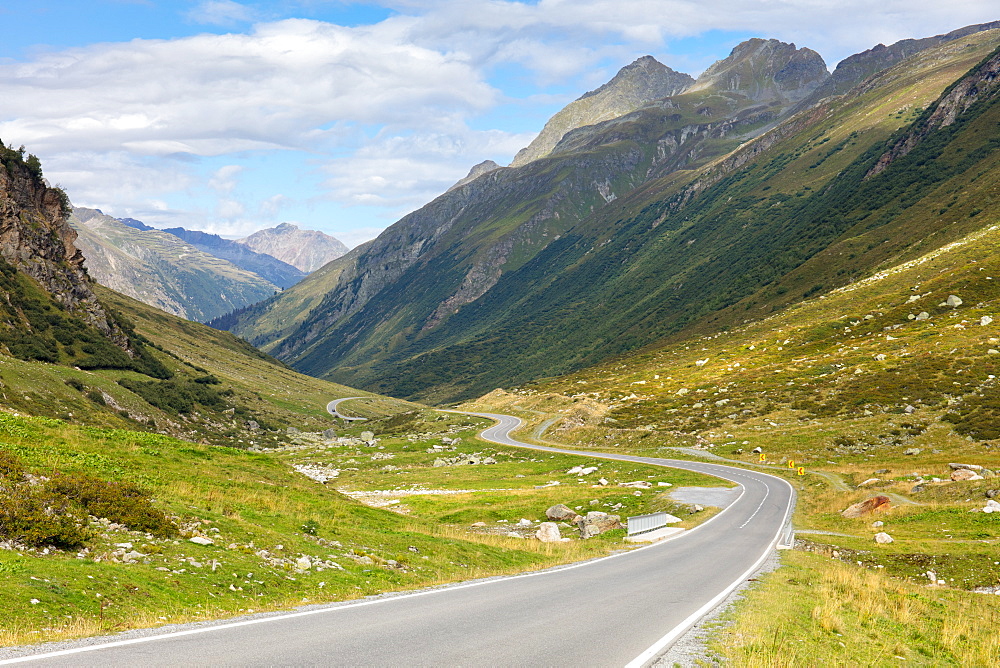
{"x":331,"y":408}
{"x":621,"y":610}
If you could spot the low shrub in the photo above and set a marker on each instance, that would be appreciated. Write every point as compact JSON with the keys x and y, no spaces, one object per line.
{"x":118,"y":501}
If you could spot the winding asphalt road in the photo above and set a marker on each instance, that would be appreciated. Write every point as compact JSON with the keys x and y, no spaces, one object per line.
{"x":616,"y":611}
{"x":331,"y":408}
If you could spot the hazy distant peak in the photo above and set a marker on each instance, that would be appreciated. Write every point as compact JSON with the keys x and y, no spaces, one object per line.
{"x":306,"y":250}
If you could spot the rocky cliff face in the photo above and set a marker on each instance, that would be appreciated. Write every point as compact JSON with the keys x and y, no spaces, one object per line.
{"x":306,"y":250}
{"x":634,"y":86}
{"x":35,"y":239}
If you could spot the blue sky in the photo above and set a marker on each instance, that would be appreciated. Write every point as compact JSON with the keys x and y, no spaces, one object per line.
{"x":343,"y":116}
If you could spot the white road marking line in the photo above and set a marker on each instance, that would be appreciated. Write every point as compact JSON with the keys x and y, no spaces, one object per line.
{"x":767,"y":492}
{"x":692,"y":619}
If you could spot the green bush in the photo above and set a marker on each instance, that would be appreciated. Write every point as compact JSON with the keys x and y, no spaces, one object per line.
{"x":177,"y":395}
{"x":121,"y":502}
{"x":33,"y":514}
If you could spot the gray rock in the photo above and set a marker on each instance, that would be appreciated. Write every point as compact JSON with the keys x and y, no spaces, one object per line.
{"x":303,"y":563}
{"x":992,"y":493}
{"x":561,"y":513}
{"x":595,"y":523}
{"x":330,"y":434}
{"x":971,"y":467}
{"x":201,"y":540}
{"x":882,"y":538}
{"x":548,"y":532}
{"x":367,"y":436}
{"x":912,"y":451}
{"x":923,"y":315}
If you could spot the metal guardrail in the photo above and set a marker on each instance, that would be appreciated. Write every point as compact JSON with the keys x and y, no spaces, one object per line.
{"x":643,"y":523}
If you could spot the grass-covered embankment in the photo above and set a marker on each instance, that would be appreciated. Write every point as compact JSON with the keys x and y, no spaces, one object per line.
{"x":278,"y":538}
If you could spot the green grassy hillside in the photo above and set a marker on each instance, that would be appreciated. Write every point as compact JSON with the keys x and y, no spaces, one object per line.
{"x":519,"y":286}
{"x":787,"y":216}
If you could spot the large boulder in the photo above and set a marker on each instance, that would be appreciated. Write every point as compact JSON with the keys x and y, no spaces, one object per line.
{"x":548,"y":532}
{"x":561,"y":513}
{"x":882,"y":538}
{"x":595,"y":523}
{"x":965,"y":474}
{"x":867,"y":507}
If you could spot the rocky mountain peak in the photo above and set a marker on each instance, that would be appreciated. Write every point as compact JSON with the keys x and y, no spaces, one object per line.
{"x":306,"y":250}
{"x":644,"y":80}
{"x":635,"y":86}
{"x":766,"y":70}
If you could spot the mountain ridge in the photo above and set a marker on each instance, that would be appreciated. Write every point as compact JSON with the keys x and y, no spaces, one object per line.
{"x":644,"y":221}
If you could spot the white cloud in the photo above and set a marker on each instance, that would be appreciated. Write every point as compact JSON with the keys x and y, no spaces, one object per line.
{"x":216,"y":94}
{"x":229,"y":209}
{"x":403,"y":173}
{"x":384,"y":110}
{"x":225,"y":13}
{"x":270,"y":207}
{"x":223,"y":180}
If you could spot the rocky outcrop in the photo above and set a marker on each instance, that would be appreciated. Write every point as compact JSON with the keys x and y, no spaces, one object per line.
{"x":634,"y":86}
{"x":307,"y":250}
{"x":854,"y":69}
{"x":867,"y":507}
{"x":595,"y":523}
{"x":35,"y":238}
{"x":561,"y":513}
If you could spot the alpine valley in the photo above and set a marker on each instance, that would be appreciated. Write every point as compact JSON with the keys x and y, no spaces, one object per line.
{"x":772,"y":265}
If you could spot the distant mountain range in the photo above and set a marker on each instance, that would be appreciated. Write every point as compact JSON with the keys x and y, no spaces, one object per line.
{"x":196,"y":275}
{"x":690,"y":206}
{"x":306,"y":250}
